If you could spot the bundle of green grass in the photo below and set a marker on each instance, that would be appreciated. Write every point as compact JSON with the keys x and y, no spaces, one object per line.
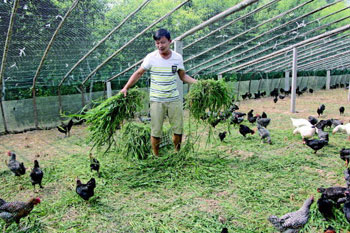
{"x":207,"y":95}
{"x":106,"y":118}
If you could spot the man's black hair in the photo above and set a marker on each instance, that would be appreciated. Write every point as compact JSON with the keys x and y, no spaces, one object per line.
{"x":160,"y":33}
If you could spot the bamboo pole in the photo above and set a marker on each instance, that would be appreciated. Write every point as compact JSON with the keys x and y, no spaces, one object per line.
{"x":3,"y":62}
{"x":35,"y":110}
{"x":145,"y":3}
{"x":132,"y":40}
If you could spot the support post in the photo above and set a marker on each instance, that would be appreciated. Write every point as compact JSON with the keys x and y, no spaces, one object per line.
{"x":59,"y":100}
{"x":294,"y":80}
{"x":109,"y":89}
{"x":328,"y":82}
{"x":82,"y":88}
{"x":180,"y":86}
{"x":286,"y":80}
{"x":219,"y":76}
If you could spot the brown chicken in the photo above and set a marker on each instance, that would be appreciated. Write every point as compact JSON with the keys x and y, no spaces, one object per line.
{"x":13,"y":211}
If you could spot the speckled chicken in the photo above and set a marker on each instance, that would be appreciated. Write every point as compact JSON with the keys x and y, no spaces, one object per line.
{"x":346,"y":207}
{"x":16,"y":167}
{"x":322,"y":135}
{"x":294,"y":221}
{"x":36,"y":175}
{"x":86,"y":191}
{"x":264,"y":134}
{"x":13,"y":211}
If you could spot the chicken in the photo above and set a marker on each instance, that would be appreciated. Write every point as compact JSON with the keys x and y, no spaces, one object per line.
{"x":336,"y":122}
{"x":281,"y":97}
{"x":224,"y":230}
{"x":341,"y":110}
{"x":36,"y":175}
{"x":236,"y":120}
{"x":233,"y":107}
{"x":347,"y":177}
{"x":323,"y":123}
{"x":264,"y":134}
{"x":86,"y":191}
{"x":252,"y":119}
{"x":16,"y":167}
{"x":311,"y":90}
{"x":239,"y":114}
{"x":274,"y":92}
{"x":343,"y":128}
{"x":329,"y":229}
{"x":312,"y":120}
{"x":222,"y":135}
{"x":264,"y":115}
{"x":320,"y":110}
{"x":263,"y":121}
{"x":305,"y":131}
{"x":214,"y":122}
{"x":325,"y":207}
{"x":345,"y":155}
{"x":275,"y":99}
{"x":300,"y":122}
{"x":346,"y":207}
{"x":66,"y":128}
{"x":94,"y":164}
{"x":244,"y":130}
{"x":13,"y":211}
{"x":333,"y":193}
{"x":294,"y":221}
{"x":322,"y":135}
{"x":315,"y":144}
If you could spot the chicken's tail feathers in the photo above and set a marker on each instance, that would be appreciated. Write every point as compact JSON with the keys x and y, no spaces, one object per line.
{"x":2,"y":202}
{"x":92,"y":182}
{"x":275,"y":221}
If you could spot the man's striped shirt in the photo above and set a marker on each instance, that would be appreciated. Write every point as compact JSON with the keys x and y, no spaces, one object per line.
{"x":163,"y":75}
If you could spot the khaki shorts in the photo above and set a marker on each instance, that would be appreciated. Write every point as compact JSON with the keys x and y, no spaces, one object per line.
{"x":159,"y":110}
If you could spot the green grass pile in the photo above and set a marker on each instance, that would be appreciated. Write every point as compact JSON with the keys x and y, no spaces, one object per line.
{"x":207,"y":95}
{"x":107,"y":117}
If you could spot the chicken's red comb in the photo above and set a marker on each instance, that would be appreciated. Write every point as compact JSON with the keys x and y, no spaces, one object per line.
{"x":9,"y":153}
{"x":38,"y":199}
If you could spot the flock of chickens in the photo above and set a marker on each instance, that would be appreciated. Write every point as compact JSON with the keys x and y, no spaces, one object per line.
{"x":13,"y":211}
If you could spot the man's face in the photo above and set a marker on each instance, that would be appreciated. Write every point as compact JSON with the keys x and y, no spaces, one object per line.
{"x":163,"y":44}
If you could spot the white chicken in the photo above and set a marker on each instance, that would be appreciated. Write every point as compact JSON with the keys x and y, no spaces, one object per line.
{"x":342,"y":128}
{"x":305,"y":131}
{"x":300,"y":122}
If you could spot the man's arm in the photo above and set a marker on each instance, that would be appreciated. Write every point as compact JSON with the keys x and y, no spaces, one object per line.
{"x":186,"y":78}
{"x":133,"y":79}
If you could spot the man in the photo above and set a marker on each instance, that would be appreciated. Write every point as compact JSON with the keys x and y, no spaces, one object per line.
{"x":163,"y":65}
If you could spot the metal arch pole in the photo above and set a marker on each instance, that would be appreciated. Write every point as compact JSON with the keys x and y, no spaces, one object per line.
{"x":294,"y":80}
{"x":2,"y":70}
{"x":180,"y":86}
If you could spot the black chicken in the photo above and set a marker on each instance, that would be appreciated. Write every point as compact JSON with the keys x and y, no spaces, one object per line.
{"x":281,"y":97}
{"x":321,"y":109}
{"x":244,"y":130}
{"x":94,"y":164}
{"x":325,"y":207}
{"x":345,"y":155}
{"x":263,"y":93}
{"x":214,"y":122}
{"x":224,"y":230}
{"x":275,"y":99}
{"x":264,"y":115}
{"x":341,"y":110}
{"x":346,"y":207}
{"x":36,"y":175}
{"x":274,"y":92}
{"x":86,"y":191}
{"x":315,"y":144}
{"x":16,"y":167}
{"x":252,"y":119}
{"x":311,"y":90}
{"x":222,"y":135}
{"x":263,"y":121}
{"x":66,"y":128}
{"x":333,"y":193}
{"x":312,"y":120}
{"x":347,"y":177}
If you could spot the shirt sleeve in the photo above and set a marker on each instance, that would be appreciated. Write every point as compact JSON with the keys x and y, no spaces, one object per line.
{"x":146,"y":64}
{"x":181,"y":64}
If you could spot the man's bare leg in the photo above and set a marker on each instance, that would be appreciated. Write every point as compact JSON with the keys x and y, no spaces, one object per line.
{"x":155,"y":145}
{"x":177,"y":138}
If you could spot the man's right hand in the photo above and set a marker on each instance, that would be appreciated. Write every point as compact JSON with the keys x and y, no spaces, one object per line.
{"x":124,"y":91}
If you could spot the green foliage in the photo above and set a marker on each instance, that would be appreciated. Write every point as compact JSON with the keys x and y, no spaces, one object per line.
{"x":106,"y":118}
{"x":207,"y":94}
